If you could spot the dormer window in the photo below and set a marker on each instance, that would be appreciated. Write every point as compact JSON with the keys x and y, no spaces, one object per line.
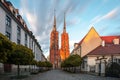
{"x":116,"y":41}
{"x":14,"y":12}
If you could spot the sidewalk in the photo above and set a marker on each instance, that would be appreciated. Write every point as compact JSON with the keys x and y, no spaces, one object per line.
{"x":7,"y":76}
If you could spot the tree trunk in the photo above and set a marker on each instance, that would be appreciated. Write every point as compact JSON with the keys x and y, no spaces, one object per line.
{"x":18,"y":70}
{"x":34,"y":68}
{"x":29,"y":68}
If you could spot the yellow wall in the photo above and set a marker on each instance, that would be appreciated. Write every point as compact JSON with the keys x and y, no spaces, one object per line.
{"x":90,"y":42}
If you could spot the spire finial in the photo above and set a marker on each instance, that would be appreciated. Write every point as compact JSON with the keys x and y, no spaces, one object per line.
{"x":64,"y":28}
{"x":54,"y":20}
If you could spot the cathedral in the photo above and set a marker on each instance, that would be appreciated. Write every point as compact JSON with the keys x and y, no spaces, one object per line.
{"x":64,"y":51}
{"x":57,"y":55}
{"x":54,"y":46}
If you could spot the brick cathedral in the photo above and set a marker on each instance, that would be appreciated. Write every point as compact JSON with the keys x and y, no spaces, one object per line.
{"x":64,"y":51}
{"x":57,"y":55}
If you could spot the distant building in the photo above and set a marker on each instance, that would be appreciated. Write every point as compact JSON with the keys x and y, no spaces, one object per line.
{"x":14,"y":27}
{"x":64,"y":51}
{"x":54,"y":46}
{"x":97,"y":51}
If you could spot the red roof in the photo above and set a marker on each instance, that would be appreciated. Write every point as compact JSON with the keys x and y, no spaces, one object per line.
{"x":109,"y":39}
{"x":106,"y":50}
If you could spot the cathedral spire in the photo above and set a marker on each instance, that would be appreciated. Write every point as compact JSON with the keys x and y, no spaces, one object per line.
{"x":64,"y":28}
{"x":54,"y":28}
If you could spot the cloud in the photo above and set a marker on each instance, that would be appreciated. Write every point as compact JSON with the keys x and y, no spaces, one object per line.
{"x":39,"y":15}
{"x":73,"y":22}
{"x":113,"y":14}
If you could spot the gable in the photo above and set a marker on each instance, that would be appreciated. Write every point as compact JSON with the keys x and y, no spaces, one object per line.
{"x":90,"y":42}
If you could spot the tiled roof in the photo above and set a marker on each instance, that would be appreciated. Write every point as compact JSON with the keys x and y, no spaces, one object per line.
{"x":106,"y":50}
{"x":109,"y":39}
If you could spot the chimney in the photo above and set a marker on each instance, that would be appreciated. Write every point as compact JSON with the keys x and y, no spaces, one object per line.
{"x":116,"y":41}
{"x":75,"y":45}
{"x":17,"y":11}
{"x":103,"y":43}
{"x":2,"y":1}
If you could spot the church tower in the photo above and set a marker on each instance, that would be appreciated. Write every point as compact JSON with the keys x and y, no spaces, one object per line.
{"x":64,"y":51}
{"x":54,"y":46}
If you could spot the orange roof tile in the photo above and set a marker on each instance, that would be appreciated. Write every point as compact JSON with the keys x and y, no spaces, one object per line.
{"x":109,"y":39}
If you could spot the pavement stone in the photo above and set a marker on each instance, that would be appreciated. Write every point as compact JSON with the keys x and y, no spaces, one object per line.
{"x":62,"y":75}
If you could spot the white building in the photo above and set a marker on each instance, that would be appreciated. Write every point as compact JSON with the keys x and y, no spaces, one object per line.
{"x":97,"y":51}
{"x":14,"y":27}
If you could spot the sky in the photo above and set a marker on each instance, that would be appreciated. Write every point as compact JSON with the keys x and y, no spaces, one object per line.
{"x":81,"y":15}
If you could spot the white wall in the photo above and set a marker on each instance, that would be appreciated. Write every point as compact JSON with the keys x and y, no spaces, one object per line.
{"x":22,"y":37}
{"x":2,"y":21}
{"x":38,"y":53}
{"x":13,"y":31}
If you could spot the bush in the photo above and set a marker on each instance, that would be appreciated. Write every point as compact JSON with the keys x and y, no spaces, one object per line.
{"x":113,"y":70}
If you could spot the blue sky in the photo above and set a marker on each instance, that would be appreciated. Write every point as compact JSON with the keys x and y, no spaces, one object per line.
{"x":81,"y":15}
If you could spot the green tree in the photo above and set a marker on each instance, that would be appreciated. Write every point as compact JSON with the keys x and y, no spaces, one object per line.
{"x":21,"y":56}
{"x":5,"y":48}
{"x":45,"y":64}
{"x":48,"y":64}
{"x":34,"y":63}
{"x":72,"y":61}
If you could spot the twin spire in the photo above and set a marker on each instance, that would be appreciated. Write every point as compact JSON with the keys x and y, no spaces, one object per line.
{"x":54,"y":21}
{"x":54,"y":27}
{"x":64,"y":28}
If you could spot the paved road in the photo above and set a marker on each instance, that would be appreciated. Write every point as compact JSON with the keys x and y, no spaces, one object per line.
{"x":61,"y":75}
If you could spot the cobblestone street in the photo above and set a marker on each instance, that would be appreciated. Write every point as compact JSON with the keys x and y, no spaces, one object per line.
{"x":61,"y":75}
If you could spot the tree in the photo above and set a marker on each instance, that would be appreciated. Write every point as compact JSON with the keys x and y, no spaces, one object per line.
{"x":45,"y":64}
{"x":72,"y":61}
{"x":34,"y":63}
{"x":48,"y":64}
{"x":6,"y":48}
{"x":21,"y":56}
{"x":113,"y":70}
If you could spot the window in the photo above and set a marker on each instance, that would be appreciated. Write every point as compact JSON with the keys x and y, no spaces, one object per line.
{"x":83,"y":64}
{"x":119,"y":61}
{"x":29,"y":43}
{"x":32,"y":44}
{"x":8,"y":27}
{"x":18,"y":30}
{"x":25,"y":39}
{"x":8,"y":21}
{"x":18,"y":41}
{"x":18,"y":35}
{"x":34,"y":48}
{"x":8,"y":35}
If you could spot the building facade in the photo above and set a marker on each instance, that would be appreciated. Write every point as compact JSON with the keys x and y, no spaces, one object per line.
{"x":54,"y":46}
{"x":14,"y":27}
{"x":97,"y":52}
{"x":64,"y":51}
